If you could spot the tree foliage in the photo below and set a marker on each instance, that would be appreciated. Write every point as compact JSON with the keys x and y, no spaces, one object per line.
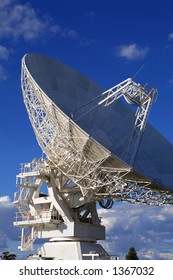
{"x":7,"y":256}
{"x":132,"y":254}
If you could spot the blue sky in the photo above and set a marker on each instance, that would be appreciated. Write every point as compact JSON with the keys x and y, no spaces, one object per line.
{"x":107,"y":41}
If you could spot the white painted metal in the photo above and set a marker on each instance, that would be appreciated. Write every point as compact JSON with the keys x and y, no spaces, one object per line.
{"x":78,"y":172}
{"x":61,"y":213}
{"x":136,"y":95}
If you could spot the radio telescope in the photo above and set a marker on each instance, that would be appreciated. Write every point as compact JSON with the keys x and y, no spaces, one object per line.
{"x":97,"y":148}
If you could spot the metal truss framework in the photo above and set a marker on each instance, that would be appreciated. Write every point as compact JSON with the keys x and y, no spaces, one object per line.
{"x":39,"y":211}
{"x":134,"y":94}
{"x":78,"y":171}
{"x":72,"y":152}
{"x":113,"y":186}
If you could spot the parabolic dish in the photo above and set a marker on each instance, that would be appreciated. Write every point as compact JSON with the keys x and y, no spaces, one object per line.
{"x":97,"y":139}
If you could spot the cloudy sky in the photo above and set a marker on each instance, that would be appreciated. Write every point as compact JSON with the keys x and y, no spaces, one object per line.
{"x":107,"y":41}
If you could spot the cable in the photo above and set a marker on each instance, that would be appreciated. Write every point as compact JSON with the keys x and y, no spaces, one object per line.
{"x":106,"y":205}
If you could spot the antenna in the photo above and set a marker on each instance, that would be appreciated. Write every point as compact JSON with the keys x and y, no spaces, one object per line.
{"x":138,"y":71}
{"x":78,"y":170}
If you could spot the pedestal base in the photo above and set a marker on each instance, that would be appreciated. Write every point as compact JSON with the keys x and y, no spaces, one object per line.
{"x":71,"y":250}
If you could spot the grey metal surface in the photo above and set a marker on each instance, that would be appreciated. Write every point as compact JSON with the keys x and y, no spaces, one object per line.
{"x":110,"y":126}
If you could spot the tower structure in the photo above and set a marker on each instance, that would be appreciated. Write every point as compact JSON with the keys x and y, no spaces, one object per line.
{"x":58,"y":195}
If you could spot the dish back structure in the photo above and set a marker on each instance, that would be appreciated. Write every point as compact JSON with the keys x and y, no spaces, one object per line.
{"x":96,"y":151}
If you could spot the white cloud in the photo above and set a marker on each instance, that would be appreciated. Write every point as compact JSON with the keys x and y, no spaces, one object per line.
{"x":4,"y":3}
{"x":7,"y":215}
{"x":170,"y":36}
{"x":170,"y":81}
{"x":3,"y":74}
{"x":23,"y":21}
{"x":4,"y":53}
{"x":69,"y":33}
{"x":147,"y":228}
{"x":8,"y":234}
{"x":4,"y":199}
{"x":131,"y":52}
{"x":91,"y":14}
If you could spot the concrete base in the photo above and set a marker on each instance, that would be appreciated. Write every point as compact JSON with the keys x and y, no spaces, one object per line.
{"x":71,"y":250}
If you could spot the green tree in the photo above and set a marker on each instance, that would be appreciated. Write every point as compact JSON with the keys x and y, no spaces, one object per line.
{"x":7,"y":256}
{"x":132,"y":255}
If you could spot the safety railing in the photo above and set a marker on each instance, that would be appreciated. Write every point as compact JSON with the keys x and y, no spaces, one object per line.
{"x":36,"y":165}
{"x":42,"y":216}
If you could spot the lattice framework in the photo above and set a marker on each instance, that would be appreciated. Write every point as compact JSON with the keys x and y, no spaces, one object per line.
{"x":73,"y":154}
